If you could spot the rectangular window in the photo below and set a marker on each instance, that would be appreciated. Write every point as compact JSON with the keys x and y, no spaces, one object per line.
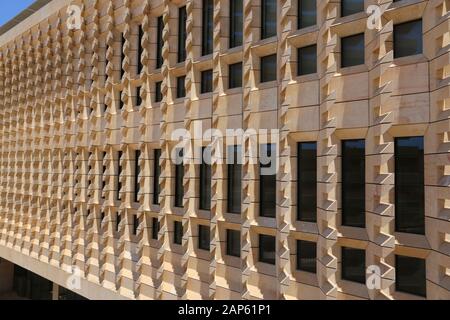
{"x":269,"y":68}
{"x":179,"y":176}
{"x":267,"y":181}
{"x":235,"y":75}
{"x":307,"y":60}
{"x":234,"y":183}
{"x":236,"y":23}
{"x":408,"y":38}
{"x":118,"y":220}
{"x":137,"y":172}
{"x":353,"y":183}
{"x":157,"y":175}
{"x":122,"y":55}
{"x":268,"y":18}
{"x":205,"y":179}
{"x":349,"y":7}
{"x":233,"y":243}
{"x":119,"y":173}
{"x":353,"y":264}
{"x":140,"y":66}
{"x":103,"y":175}
{"x":306,"y":256}
{"x":177,"y":232}
{"x":182,"y":34}
{"x":409,"y":185}
{"x":207,"y":30}
{"x":159,"y":42}
{"x":307,"y":182}
{"x":155,"y":228}
{"x":158,"y":93}
{"x":138,"y":97}
{"x":267,"y":249}
{"x":135,"y":224}
{"x":410,"y":275}
{"x":207,"y":81}
{"x":307,"y":13}
{"x":352,"y":50}
{"x":204,"y":238}
{"x":181,"y":90}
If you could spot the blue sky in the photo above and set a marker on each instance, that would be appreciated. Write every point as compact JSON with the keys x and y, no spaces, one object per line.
{"x":10,"y":8}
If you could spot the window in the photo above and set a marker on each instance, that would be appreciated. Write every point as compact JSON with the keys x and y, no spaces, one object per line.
{"x":156,"y":177}
{"x":177,"y":232}
{"x":233,"y":243}
{"x":267,"y":249}
{"x":103,"y":175}
{"x":155,"y":228}
{"x":207,"y":31}
{"x":307,"y":13}
{"x":139,"y":50}
{"x":119,"y":173}
{"x":352,"y":50}
{"x":122,"y":55}
{"x":204,"y":238}
{"x":121,"y":103}
{"x":234,"y":182}
{"x":181,"y":90}
{"x":267,"y":181}
{"x":179,"y":175}
{"x":410,"y":275}
{"x":269,"y":68}
{"x":353,"y":265}
{"x":205,"y":179}
{"x":135,"y":224}
{"x":307,"y":182}
{"x":158,"y":93}
{"x":207,"y":81}
{"x":236,"y":23}
{"x":307,"y":60}
{"x":159,"y":42}
{"x":353,"y":183}
{"x":349,"y":7}
{"x":409,"y":185}
{"x":118,"y":220}
{"x":306,"y":256}
{"x":408,"y":38}
{"x":235,"y":75}
{"x":182,"y":34}
{"x":268,"y":18}
{"x":138,"y":97}
{"x":137,"y":172}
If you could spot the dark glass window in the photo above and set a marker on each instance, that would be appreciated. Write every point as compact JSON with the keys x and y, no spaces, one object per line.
{"x":138,"y":97}
{"x":349,"y":7}
{"x":236,"y":23}
{"x":267,"y":249}
{"x":269,"y":68}
{"x":157,"y":174}
{"x":353,"y":183}
{"x":155,"y":228}
{"x":307,"y":182}
{"x":104,"y":175}
{"x":410,"y":275}
{"x":159,"y":42}
{"x":182,"y":34}
{"x":307,"y":60}
{"x":177,"y":232}
{"x":158,"y":93}
{"x":234,"y":159}
{"x":268,"y":18}
{"x":353,"y":264}
{"x":233,"y":243}
{"x":408,"y":38}
{"x":122,"y":54}
{"x":181,"y":89}
{"x":118,"y":220}
{"x":204,"y":238}
{"x":409,"y":185}
{"x":235,"y":75}
{"x":139,"y":50}
{"x":207,"y":81}
{"x":306,"y":256}
{"x":135,"y":224}
{"x":119,"y":173}
{"x":137,"y":172}
{"x":121,"y":103}
{"x":307,"y":13}
{"x":205,"y":179}
{"x":352,"y":50}
{"x":207,"y":31}
{"x":179,"y":176}
{"x":267,"y":181}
